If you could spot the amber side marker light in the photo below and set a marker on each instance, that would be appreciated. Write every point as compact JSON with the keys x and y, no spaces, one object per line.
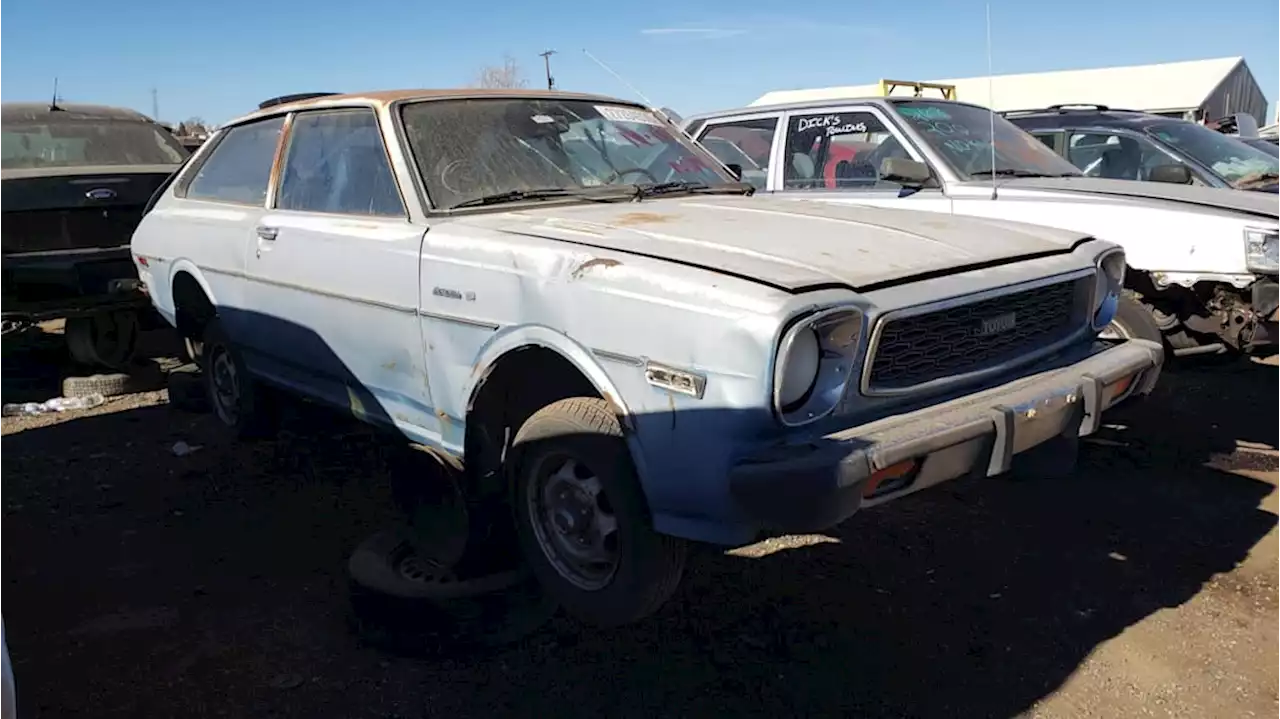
{"x":898,"y":470}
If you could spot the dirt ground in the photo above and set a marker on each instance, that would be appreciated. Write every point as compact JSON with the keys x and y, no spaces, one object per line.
{"x":141,"y":583}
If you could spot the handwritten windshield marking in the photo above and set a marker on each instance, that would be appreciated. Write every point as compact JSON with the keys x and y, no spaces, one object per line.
{"x":924,"y":113}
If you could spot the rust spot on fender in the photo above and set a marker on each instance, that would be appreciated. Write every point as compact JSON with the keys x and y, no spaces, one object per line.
{"x":596,"y":262}
{"x":641,"y":218}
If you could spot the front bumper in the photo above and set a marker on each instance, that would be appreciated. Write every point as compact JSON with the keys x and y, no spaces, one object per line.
{"x":816,"y":485}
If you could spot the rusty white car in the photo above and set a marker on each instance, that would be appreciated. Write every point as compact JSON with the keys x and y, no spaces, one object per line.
{"x":623,"y":346}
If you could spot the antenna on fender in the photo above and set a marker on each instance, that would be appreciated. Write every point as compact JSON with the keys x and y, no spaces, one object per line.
{"x":53,"y":104}
{"x":991,"y":101}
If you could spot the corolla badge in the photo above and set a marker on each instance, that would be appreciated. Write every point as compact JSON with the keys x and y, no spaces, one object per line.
{"x":100,"y":193}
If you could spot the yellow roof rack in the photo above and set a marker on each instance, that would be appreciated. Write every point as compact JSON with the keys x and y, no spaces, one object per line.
{"x":917,"y":88}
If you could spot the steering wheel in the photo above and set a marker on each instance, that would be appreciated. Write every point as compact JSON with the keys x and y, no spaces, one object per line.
{"x":619,"y":174}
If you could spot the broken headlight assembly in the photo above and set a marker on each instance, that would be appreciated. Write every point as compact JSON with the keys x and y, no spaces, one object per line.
{"x":815,"y":363}
{"x":1260,"y":249}
{"x":1110,"y":283}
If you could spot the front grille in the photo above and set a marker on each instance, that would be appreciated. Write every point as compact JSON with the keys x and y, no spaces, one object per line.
{"x":973,"y":337}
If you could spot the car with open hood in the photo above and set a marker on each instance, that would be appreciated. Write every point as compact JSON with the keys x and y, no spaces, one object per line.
{"x":1201,"y":260}
{"x":75,"y":180}
{"x":622,"y":349}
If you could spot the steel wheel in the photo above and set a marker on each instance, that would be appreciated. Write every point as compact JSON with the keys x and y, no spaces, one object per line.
{"x":573,"y":521}
{"x":225,"y":386}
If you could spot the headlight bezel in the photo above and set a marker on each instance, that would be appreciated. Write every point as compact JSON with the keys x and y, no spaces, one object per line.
{"x":1261,"y":245}
{"x":839,"y":346}
{"x":1110,"y":266}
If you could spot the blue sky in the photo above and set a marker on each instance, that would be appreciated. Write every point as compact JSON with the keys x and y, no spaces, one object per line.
{"x":219,"y":59}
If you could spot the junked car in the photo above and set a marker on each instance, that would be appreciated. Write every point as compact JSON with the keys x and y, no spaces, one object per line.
{"x":75,"y":181}
{"x":623,"y":348}
{"x":1130,"y":145}
{"x":1202,"y":262}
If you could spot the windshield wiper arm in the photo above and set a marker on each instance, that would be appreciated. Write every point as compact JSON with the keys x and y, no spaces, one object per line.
{"x":663,"y":188}
{"x":499,"y":198}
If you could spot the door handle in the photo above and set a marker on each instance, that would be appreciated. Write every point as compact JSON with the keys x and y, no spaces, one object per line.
{"x":267,"y":233}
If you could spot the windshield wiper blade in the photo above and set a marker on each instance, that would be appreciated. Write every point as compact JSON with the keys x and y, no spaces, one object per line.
{"x":663,"y":188}
{"x":1010,"y":172}
{"x":543,"y":194}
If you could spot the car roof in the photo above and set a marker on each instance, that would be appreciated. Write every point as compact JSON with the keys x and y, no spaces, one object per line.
{"x":382,"y":98}
{"x":817,"y":105}
{"x":1064,"y":117}
{"x":33,"y":111}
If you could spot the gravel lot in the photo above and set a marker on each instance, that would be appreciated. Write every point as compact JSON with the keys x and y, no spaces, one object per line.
{"x":139,"y":583}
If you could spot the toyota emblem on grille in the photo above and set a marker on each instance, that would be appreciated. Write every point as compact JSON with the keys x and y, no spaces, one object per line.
{"x":998,"y":324}
{"x":100,"y":193}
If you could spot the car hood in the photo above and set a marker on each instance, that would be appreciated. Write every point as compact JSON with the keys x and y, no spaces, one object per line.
{"x":791,"y":244}
{"x":1251,"y":203}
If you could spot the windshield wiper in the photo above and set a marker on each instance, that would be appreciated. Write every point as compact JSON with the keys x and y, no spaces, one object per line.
{"x":666,"y":188}
{"x":594,"y":193}
{"x":1010,"y":172}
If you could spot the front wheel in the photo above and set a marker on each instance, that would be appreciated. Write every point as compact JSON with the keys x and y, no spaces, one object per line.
{"x":582,"y":518}
{"x":1133,"y":321}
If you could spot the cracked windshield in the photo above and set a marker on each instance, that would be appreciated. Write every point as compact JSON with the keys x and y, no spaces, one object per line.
{"x":395,"y":360}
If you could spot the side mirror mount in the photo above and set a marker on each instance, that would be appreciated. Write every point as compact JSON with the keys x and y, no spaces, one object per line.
{"x":905,"y":172}
{"x":1172,"y":174}
{"x":736,"y":170}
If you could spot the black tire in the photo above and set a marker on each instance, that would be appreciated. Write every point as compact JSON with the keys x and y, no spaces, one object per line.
{"x":250,"y":412}
{"x":105,"y":339}
{"x":648,"y":565}
{"x":187,"y":392}
{"x":1133,"y":320}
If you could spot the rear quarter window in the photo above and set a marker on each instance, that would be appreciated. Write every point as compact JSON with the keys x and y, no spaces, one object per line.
{"x":238,"y":167}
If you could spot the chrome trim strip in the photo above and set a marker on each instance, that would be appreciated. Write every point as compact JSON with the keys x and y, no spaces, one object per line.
{"x":945,"y":304}
{"x":619,"y":358}
{"x":456,"y":319}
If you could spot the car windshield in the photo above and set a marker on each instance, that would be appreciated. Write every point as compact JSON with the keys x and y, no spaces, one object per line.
{"x":477,"y":148}
{"x":963,"y":135}
{"x":1259,"y":143}
{"x":1231,"y":159}
{"x":84,"y":143}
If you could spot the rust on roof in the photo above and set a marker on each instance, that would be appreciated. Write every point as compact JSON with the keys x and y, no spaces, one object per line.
{"x":387,"y":97}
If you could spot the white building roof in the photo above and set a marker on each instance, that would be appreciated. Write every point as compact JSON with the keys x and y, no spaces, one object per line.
{"x":1155,"y":88}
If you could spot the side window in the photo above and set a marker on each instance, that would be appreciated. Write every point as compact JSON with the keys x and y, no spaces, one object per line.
{"x":1116,"y":156}
{"x":336,"y":163}
{"x":746,"y":143}
{"x":838,"y":150}
{"x":239,"y":167}
{"x":1051,"y":139}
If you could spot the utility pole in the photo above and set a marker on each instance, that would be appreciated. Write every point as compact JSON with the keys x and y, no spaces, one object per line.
{"x":546,"y":61}
{"x":155,"y":105}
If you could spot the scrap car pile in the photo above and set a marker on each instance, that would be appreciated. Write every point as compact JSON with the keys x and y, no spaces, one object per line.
{"x":630,"y":336}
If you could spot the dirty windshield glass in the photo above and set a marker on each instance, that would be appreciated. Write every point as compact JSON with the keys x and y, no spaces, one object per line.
{"x":73,"y":143}
{"x":1231,"y":159}
{"x":962,"y":134}
{"x":475,"y":148}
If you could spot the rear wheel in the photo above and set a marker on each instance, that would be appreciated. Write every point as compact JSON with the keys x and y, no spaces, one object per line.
{"x":240,"y":402}
{"x":582,"y":519}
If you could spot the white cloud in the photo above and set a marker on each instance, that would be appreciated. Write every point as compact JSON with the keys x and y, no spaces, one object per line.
{"x":702,"y":33}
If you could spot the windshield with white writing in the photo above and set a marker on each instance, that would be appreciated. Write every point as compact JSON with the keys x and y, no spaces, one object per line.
{"x":963,"y":135}
{"x":1231,"y":159}
{"x":477,"y":148}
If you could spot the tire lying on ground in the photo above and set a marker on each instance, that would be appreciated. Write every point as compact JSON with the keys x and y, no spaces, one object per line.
{"x":403,"y":602}
{"x":112,"y":384}
{"x":187,"y":390}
